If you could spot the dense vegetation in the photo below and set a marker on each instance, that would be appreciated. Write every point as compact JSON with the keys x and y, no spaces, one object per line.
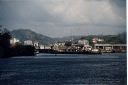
{"x":4,"y":42}
{"x":110,"y":39}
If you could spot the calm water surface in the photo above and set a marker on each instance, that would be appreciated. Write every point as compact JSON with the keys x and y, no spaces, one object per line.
{"x":46,"y":69}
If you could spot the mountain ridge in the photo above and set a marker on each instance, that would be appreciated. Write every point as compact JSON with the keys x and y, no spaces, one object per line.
{"x":27,"y":34}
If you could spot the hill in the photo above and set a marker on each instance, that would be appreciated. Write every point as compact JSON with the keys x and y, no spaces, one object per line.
{"x":110,"y":39}
{"x":25,"y":34}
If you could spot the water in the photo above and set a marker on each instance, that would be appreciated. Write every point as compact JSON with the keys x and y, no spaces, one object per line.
{"x":46,"y":69}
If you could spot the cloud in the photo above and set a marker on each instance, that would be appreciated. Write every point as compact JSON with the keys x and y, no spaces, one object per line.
{"x":83,"y":11}
{"x":64,"y":17}
{"x":119,"y":7}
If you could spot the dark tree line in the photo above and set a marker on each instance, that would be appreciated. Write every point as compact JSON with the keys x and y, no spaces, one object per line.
{"x":4,"y":42}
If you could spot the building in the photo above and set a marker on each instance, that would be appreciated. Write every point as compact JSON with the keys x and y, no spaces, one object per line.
{"x":94,"y":40}
{"x":13,"y":41}
{"x":97,"y":40}
{"x":87,"y":48}
{"x":100,"y":40}
{"x":83,"y":42}
{"x":45,"y":47}
{"x":111,"y":47}
{"x":36,"y":44}
{"x":42,"y":46}
{"x":60,"y":46}
{"x":28,"y":42}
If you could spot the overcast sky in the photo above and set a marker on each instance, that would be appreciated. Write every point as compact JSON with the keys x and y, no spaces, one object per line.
{"x":58,"y":18}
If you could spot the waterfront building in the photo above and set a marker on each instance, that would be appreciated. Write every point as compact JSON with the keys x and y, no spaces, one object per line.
{"x":42,"y":46}
{"x":111,"y":47}
{"x":28,"y":42}
{"x":36,"y":44}
{"x":60,"y":46}
{"x":87,"y":48}
{"x":13,"y":41}
{"x":47,"y":47}
{"x":60,"y":43}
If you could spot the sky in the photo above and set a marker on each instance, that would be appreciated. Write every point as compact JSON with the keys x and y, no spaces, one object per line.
{"x":59,"y":18}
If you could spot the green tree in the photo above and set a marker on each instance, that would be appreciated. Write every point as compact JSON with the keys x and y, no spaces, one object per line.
{"x":68,"y":43}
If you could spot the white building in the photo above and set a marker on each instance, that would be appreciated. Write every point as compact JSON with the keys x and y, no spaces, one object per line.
{"x":36,"y":44}
{"x":60,"y":43}
{"x":28,"y":42}
{"x":45,"y":47}
{"x":59,"y":46}
{"x":96,"y":40}
{"x":14,"y":41}
{"x":87,"y":48}
{"x":42,"y":47}
{"x":100,"y":40}
{"x":110,"y":47}
{"x":83,"y":42}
